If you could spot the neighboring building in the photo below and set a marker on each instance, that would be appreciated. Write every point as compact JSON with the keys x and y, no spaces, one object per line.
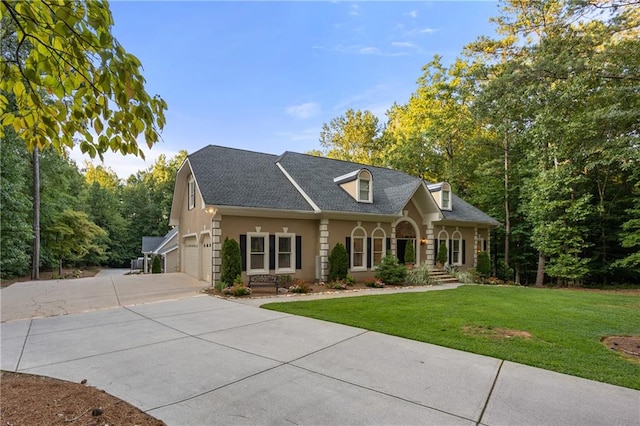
{"x":166,"y":247}
{"x":287,"y":212}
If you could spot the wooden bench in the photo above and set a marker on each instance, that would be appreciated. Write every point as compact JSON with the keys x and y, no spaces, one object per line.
{"x":263,"y":280}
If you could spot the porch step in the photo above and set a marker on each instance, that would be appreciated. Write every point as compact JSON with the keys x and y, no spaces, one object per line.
{"x":441,"y":276}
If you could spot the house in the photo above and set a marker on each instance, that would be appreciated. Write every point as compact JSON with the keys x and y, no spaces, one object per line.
{"x":287,"y":212}
{"x":166,"y":247}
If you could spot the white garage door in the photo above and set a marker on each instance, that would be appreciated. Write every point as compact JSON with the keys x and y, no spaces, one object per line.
{"x":191,"y":263}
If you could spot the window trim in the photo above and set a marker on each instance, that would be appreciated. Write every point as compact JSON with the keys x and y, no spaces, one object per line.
{"x":359,"y":181}
{"x":363,"y":267}
{"x":191,"y":193}
{"x":457,"y":261}
{"x":383,"y":238}
{"x":292,"y":253}
{"x":265,"y":237}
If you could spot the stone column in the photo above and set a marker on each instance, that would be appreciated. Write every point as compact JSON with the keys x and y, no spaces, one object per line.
{"x":431,"y":244}
{"x":216,"y":249}
{"x":324,"y":249}
{"x":475,"y":247}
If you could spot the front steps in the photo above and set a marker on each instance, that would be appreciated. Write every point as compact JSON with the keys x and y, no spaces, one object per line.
{"x":440,"y":276}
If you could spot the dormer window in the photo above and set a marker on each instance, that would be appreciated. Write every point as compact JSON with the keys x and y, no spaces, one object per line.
{"x":364,"y":190}
{"x":442,"y":194}
{"x":358,"y":184}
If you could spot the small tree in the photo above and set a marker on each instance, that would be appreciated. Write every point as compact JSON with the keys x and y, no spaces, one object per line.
{"x":231,"y":261}
{"x":410,"y":253}
{"x":338,"y":263}
{"x":390,"y":271}
{"x":442,"y":253}
{"x":484,"y":264}
{"x":156,"y":268}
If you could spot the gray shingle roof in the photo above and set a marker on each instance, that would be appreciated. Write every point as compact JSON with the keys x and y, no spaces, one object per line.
{"x":149,"y":244}
{"x":234,"y":177}
{"x":465,"y":212}
{"x":391,"y":189}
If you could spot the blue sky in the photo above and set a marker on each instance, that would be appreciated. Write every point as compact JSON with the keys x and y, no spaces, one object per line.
{"x":265,"y":76}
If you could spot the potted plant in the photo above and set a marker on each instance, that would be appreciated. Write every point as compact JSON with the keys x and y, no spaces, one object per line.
{"x":409,"y":255}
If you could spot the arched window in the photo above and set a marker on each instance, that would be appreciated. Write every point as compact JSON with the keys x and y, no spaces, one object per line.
{"x":358,"y":249}
{"x":379,"y":246}
{"x":365,"y":186}
{"x":191,"y":187}
{"x":445,"y":197}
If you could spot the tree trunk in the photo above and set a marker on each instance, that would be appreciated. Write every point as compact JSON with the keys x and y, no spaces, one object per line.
{"x":60,"y":268}
{"x":507,"y":214}
{"x":35,"y":260}
{"x":540,"y":273}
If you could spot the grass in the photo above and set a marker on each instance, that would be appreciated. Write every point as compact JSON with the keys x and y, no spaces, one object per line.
{"x":565,"y":326}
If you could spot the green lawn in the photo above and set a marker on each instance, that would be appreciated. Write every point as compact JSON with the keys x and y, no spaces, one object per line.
{"x":565,"y":326}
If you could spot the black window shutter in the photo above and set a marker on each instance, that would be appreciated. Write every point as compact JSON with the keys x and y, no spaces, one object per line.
{"x":389,"y":245}
{"x":298,"y":251}
{"x":464,"y":254}
{"x":435,"y":257}
{"x":484,"y":245}
{"x":369,"y":253}
{"x":450,"y":249}
{"x":348,"y":244}
{"x":243,"y":251}
{"x":272,"y":252}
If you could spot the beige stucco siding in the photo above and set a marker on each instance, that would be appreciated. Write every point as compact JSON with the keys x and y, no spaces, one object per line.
{"x":234,"y":226}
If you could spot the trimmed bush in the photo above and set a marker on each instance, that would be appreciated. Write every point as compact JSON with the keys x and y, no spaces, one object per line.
{"x":231,"y":262}
{"x":390,"y":271}
{"x":484,"y":265}
{"x":409,"y":253}
{"x":443,"y":255}
{"x":156,"y":268}
{"x":338,"y":263}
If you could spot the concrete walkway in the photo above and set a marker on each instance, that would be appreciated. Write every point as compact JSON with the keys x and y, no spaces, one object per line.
{"x":203,"y":360}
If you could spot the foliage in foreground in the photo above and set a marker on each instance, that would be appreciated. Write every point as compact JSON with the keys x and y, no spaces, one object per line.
{"x":565,"y":326}
{"x":390,"y":271}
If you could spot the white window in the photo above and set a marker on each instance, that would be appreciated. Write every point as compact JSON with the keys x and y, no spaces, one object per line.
{"x":192,"y":193}
{"x":446,"y":200}
{"x":359,"y":249}
{"x":456,"y":248}
{"x":365,"y":189}
{"x":379,"y":248}
{"x":285,"y":252}
{"x":258,"y":253}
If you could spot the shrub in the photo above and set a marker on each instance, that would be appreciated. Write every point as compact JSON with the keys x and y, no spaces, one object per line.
{"x":338,"y":263}
{"x":285,"y":280}
{"x":337,"y":285}
{"x":374,"y":283}
{"x":504,"y":272}
{"x":350,"y":280}
{"x":238,"y":280}
{"x":409,"y":253}
{"x":237,"y":290}
{"x":231,"y":261}
{"x":299,"y":287}
{"x":442,"y":253}
{"x":390,"y":271}
{"x":467,"y":277}
{"x":484,"y":264}
{"x":419,"y":276}
{"x":156,"y":268}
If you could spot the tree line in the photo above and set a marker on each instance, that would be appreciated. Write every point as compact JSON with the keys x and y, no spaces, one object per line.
{"x":89,"y":216}
{"x":539,"y":127}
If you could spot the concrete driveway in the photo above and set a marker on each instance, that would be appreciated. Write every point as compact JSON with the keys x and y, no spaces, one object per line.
{"x":109,"y":288}
{"x":202,"y":360}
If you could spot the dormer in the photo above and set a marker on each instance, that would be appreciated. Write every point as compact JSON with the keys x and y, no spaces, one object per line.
{"x":442,"y":194}
{"x":358,"y":184}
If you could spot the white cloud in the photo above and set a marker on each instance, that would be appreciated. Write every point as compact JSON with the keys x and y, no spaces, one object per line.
{"x":359,"y":100}
{"x":369,"y":50}
{"x":413,"y":14}
{"x":420,"y":31}
{"x":303,"y":111}
{"x":353,"y":10}
{"x":406,"y":44}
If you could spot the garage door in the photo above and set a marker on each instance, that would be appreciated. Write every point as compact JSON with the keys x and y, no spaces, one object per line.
{"x":206,"y":258}
{"x":191,"y":263}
